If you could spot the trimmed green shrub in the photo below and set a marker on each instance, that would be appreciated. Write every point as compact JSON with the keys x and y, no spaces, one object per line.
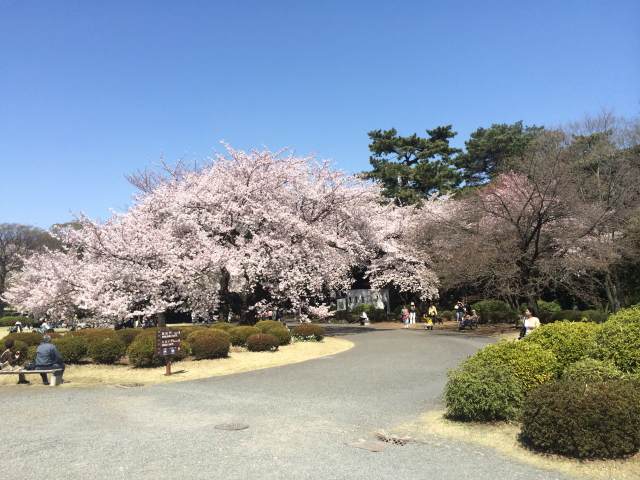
{"x":619,"y":340}
{"x":30,"y":354}
{"x":530,"y":363}
{"x":106,"y":350}
{"x":30,"y":338}
{"x":72,"y":348}
{"x":308,"y":331}
{"x":262,"y":342}
{"x":10,"y":321}
{"x":597,"y":420}
{"x":211,"y":343}
{"x":94,"y":335}
{"x":281,"y":333}
{"x":224,"y":326}
{"x":240,"y":334}
{"x":477,"y":393}
{"x":264,"y":325}
{"x":494,"y":311}
{"x":589,"y":370}
{"x":127,"y":335}
{"x":597,"y":316}
{"x":142,"y":352}
{"x":570,"y":341}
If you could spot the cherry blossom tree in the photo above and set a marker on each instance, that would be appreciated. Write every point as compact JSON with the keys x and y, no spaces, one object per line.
{"x":270,"y":229}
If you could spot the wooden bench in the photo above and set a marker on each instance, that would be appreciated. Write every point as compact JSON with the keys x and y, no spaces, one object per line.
{"x":54,"y":379}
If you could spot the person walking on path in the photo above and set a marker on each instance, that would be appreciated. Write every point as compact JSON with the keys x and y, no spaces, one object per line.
{"x":404,"y":316}
{"x":459,"y":309}
{"x":412,"y":314}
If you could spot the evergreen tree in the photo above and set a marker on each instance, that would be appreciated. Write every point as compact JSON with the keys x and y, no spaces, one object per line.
{"x":412,"y":168}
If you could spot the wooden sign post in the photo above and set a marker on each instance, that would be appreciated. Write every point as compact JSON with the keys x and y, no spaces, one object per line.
{"x":167,"y":344}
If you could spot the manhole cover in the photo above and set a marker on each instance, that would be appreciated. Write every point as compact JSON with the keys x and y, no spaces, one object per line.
{"x":129,"y":385}
{"x":232,"y":426}
{"x":393,"y":439}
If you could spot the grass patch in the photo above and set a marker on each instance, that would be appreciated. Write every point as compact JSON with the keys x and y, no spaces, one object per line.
{"x":503,"y":437}
{"x":237,"y":362}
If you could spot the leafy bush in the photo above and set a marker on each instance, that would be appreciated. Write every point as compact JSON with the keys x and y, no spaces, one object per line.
{"x":210,"y":343}
{"x":570,"y":341}
{"x":530,"y":363}
{"x":447,"y":315}
{"x":29,"y":338}
{"x":95,"y":335}
{"x":10,"y":321}
{"x":262,"y":342}
{"x":127,"y":335}
{"x":597,"y":316}
{"x":477,"y":393}
{"x":264,"y":325}
{"x":106,"y":350}
{"x":142,"y":352}
{"x":240,"y":334}
{"x":598,"y":420}
{"x":308,"y":331}
{"x":547,"y":309}
{"x":281,"y":333}
{"x":224,"y":326}
{"x":71,"y":348}
{"x":494,"y":311}
{"x":589,"y":370}
{"x":619,"y":340}
{"x":30,"y":354}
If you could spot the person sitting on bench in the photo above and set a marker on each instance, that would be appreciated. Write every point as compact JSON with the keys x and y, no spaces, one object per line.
{"x":8,"y":359}
{"x":48,"y":357}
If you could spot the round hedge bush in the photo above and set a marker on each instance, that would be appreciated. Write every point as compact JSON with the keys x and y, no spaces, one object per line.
{"x":29,"y":338}
{"x":224,"y":326}
{"x":570,"y":341}
{"x":262,"y":342}
{"x":494,"y":311}
{"x":589,"y":370}
{"x":10,"y":321}
{"x":240,"y":334}
{"x":308,"y":332}
{"x":142,"y":352}
{"x":127,"y":335}
{"x":265,"y":325}
{"x":530,"y":363}
{"x":72,"y":348}
{"x":597,"y":420}
{"x":95,"y":335}
{"x":481,"y":394}
{"x":106,"y":351}
{"x":281,"y":333}
{"x":210,"y":343}
{"x":619,"y":340}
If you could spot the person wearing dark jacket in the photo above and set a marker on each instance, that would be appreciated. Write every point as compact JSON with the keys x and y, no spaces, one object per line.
{"x":48,"y":357}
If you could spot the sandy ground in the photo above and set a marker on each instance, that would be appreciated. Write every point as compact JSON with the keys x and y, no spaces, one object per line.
{"x":503,"y":438}
{"x":238,"y":361}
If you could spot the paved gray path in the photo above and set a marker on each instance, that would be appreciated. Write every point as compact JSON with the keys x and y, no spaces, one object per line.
{"x":300,"y":416}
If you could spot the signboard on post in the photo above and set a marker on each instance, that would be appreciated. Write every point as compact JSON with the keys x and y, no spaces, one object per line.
{"x":167,"y":344}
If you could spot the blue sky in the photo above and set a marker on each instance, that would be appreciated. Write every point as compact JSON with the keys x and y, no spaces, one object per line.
{"x":90,"y":91}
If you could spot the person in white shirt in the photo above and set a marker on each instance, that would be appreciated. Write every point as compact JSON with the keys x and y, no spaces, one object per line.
{"x":530,"y":322}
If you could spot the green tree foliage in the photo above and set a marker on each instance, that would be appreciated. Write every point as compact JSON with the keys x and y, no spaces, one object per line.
{"x":412,"y":168}
{"x":489,"y":150}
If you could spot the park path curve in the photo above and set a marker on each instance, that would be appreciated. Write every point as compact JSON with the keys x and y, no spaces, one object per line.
{"x":301,"y":419}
